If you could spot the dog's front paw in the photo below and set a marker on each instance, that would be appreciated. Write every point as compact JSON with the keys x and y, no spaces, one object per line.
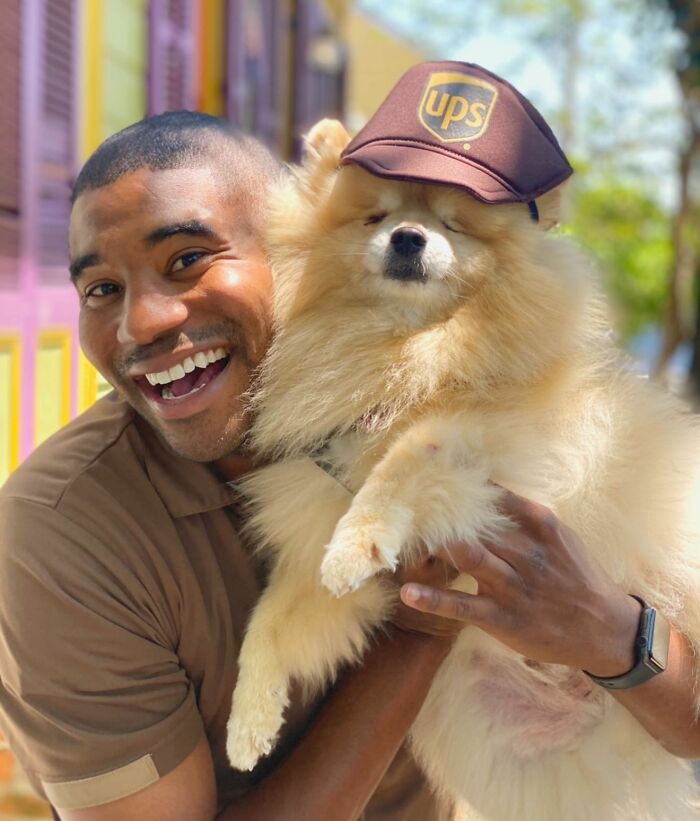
{"x":252,"y":731}
{"x":354,"y":555}
{"x":245,"y":747}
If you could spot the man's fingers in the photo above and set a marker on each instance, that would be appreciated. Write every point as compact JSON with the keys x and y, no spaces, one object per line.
{"x":450,"y":604}
{"x":427,"y":570}
{"x":478,"y":561}
{"x":534,"y":518}
{"x":538,"y":541}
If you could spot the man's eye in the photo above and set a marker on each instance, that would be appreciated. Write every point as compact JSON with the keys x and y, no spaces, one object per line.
{"x":101,"y":289}
{"x":185,"y":260}
{"x":373,"y":219}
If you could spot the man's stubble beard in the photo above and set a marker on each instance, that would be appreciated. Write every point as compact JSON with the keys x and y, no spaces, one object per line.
{"x":197,"y":439}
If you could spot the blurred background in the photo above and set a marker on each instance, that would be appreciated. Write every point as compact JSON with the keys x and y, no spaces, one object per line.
{"x":619,"y":80}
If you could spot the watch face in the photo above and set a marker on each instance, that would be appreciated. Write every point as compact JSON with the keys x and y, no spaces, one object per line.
{"x":659,"y":639}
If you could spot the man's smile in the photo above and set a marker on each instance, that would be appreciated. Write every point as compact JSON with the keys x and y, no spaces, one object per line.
{"x":199,"y":360}
{"x":189,"y":385}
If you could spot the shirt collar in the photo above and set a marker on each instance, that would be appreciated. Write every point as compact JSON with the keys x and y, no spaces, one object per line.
{"x":185,"y":487}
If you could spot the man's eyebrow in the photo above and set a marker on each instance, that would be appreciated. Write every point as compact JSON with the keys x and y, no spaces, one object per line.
{"x":79,"y":264}
{"x":193,"y":228}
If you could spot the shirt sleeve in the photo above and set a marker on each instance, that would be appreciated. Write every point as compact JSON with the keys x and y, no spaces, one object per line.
{"x":93,"y":699}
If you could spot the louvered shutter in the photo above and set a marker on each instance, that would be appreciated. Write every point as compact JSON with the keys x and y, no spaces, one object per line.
{"x":57,"y":138}
{"x":10,"y":55}
{"x":256,"y":68}
{"x":274,"y":70}
{"x":236,"y":86}
{"x":320,"y":68}
{"x":172,"y":39}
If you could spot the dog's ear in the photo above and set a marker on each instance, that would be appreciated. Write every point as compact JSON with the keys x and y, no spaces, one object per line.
{"x":324,"y":144}
{"x":549,"y":207}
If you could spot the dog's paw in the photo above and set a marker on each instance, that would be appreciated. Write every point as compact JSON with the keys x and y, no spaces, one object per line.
{"x":245,"y":746}
{"x":353,"y":556}
{"x":252,"y":733}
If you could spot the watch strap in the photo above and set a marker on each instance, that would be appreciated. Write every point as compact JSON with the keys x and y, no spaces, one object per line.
{"x":650,"y":651}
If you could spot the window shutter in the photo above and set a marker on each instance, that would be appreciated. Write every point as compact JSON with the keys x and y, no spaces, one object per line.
{"x":57,"y":139}
{"x":270,"y":109}
{"x":320,"y":68}
{"x":236,"y":91}
{"x":10,"y":48}
{"x":172,"y":53}
{"x":256,"y":68}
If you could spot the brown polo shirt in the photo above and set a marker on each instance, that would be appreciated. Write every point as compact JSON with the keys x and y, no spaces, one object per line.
{"x":124,"y":592}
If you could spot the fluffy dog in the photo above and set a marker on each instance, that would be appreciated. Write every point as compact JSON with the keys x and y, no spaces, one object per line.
{"x":427,"y":347}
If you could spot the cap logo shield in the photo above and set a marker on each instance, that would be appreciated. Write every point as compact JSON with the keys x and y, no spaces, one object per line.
{"x":456,"y":107}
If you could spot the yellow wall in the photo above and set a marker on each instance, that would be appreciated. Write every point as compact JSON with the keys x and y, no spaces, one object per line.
{"x":10,"y":375}
{"x":212,"y":56}
{"x":124,"y":87}
{"x":376,"y":60}
{"x":114,"y":54}
{"x":53,"y":379}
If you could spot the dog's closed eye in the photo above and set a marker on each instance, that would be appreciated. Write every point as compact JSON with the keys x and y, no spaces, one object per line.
{"x":374,"y":219}
{"x":453,"y":226}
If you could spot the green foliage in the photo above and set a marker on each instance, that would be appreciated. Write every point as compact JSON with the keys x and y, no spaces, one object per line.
{"x":629,"y":235}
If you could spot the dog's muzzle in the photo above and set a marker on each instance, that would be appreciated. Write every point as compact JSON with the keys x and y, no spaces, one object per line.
{"x":403,"y":260}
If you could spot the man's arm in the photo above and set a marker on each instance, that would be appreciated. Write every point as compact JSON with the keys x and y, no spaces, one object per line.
{"x":542,"y":596}
{"x":666,"y":704}
{"x":334,"y":769}
{"x":186,"y":793}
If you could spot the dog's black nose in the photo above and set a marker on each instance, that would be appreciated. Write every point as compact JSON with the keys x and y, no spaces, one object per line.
{"x":408,"y":242}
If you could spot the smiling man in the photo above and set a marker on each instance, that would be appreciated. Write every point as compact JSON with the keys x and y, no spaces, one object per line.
{"x":124,"y":585}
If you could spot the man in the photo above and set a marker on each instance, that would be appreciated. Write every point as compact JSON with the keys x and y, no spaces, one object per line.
{"x":124,"y":586}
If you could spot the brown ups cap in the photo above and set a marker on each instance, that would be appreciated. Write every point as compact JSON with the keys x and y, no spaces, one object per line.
{"x":457,"y":124}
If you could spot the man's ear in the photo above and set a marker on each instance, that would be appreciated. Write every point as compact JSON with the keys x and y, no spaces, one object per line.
{"x":549,"y":206}
{"x":324,"y":144}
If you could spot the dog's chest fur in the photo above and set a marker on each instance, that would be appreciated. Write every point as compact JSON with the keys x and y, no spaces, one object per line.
{"x":538,"y":708}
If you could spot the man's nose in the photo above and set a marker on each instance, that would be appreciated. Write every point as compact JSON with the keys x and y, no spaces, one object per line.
{"x":149,"y":314}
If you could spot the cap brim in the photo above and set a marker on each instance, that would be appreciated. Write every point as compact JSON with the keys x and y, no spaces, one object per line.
{"x":398,"y":160}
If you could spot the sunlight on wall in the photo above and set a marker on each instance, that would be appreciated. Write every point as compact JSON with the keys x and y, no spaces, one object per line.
{"x":9,"y":404}
{"x":53,"y":379}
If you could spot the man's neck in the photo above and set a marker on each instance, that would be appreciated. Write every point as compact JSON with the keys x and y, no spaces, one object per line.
{"x":234,"y":466}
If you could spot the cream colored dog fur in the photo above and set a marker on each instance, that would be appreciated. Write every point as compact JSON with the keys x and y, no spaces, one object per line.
{"x":499,"y":366}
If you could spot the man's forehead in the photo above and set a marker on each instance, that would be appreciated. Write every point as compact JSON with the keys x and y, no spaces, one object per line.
{"x":146,"y":189}
{"x":147,"y":198}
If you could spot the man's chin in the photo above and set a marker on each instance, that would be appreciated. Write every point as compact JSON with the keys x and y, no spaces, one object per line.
{"x":199,"y":438}
{"x":201,"y":448}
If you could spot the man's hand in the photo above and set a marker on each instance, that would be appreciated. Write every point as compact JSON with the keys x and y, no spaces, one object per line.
{"x":539,"y":593}
{"x":430,"y":573}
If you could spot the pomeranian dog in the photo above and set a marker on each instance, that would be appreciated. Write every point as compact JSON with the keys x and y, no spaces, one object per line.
{"x":428,"y":349}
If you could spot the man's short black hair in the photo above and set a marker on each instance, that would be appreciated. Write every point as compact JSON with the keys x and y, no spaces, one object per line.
{"x":179,"y":139}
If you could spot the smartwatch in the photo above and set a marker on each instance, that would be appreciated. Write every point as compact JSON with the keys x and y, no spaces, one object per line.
{"x":650,"y":651}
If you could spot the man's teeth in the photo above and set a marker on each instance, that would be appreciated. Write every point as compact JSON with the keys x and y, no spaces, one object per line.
{"x":201,"y":359}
